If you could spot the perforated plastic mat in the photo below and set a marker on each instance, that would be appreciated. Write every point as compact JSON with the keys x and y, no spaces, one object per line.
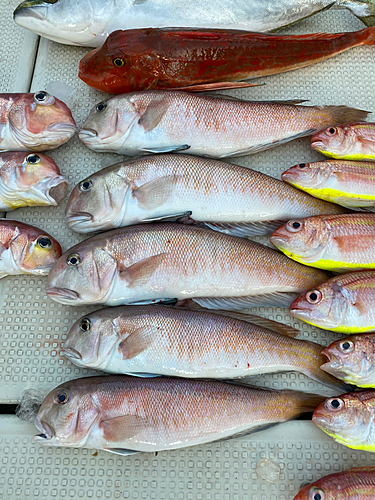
{"x":32,"y":327}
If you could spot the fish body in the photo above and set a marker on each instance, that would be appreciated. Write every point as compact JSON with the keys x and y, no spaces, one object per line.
{"x":349,"y":419}
{"x":343,"y":304}
{"x":169,"y":58}
{"x":145,"y":189}
{"x":352,"y":359}
{"x":333,"y":242}
{"x":160,"y":121}
{"x":128,"y":414}
{"x":352,"y":141}
{"x":351,"y":184}
{"x":29,"y":180}
{"x":170,"y":341}
{"x":34,"y":122}
{"x":351,"y":484}
{"x":173,"y":261}
{"x":26,"y":249}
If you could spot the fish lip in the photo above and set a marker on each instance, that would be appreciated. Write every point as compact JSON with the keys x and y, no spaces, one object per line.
{"x":277,"y":240}
{"x":87,"y":133}
{"x":77,"y":218}
{"x":46,"y":430}
{"x":71,"y":353}
{"x":64,"y":293}
{"x":62,"y":128}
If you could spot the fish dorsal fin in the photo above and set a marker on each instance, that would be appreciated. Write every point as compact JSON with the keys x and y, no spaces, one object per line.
{"x":139,"y":273}
{"x":155,"y":193}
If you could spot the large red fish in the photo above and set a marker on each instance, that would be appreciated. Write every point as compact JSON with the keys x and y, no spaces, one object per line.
{"x":144,"y":59}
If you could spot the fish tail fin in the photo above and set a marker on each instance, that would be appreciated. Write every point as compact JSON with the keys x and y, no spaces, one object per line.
{"x":302,"y":402}
{"x":369,"y":35}
{"x":338,"y":115}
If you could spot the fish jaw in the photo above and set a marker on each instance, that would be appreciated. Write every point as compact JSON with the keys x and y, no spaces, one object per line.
{"x":46,"y":435}
{"x":63,"y":295}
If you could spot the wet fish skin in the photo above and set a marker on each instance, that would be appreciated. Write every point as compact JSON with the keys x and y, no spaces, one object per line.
{"x":348,"y":183}
{"x":349,"y":419}
{"x":145,"y":415}
{"x":173,"y":261}
{"x":338,"y":243}
{"x":342,"y":304}
{"x":164,"y":185}
{"x":25,"y":249}
{"x":34,"y":122}
{"x":351,"y":141}
{"x":160,"y":121}
{"x":29,"y":179}
{"x":358,"y":483}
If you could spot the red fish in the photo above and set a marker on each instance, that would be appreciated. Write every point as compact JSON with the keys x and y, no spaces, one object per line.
{"x":144,"y":59}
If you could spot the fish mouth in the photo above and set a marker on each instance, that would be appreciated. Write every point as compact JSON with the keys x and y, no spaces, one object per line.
{"x":317,"y":144}
{"x":77,"y":219}
{"x":86,"y":134}
{"x":62,"y":293}
{"x":62,"y":128}
{"x":46,"y":430}
{"x":57,"y":189}
{"x":333,"y":365}
{"x":278,"y":240}
{"x":71,"y":353}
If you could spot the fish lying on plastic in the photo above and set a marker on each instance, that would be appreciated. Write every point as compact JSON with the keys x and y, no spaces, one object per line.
{"x":160,"y":121}
{"x":229,"y":198}
{"x":150,"y":263}
{"x":127,"y":415}
{"x":26,"y":249}
{"x":352,"y":141}
{"x":348,"y":183}
{"x":352,"y":359}
{"x":351,"y":484}
{"x":137,"y":340}
{"x":28,"y":180}
{"x":34,"y":122}
{"x":349,"y":419}
{"x":343,"y":304}
{"x":170,"y":58}
{"x":88,"y":22}
{"x":333,"y":242}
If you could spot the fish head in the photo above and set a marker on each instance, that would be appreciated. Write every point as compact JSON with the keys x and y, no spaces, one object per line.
{"x":315,"y":492}
{"x":40,"y":121}
{"x":347,"y":418}
{"x":352,"y":359}
{"x":98,"y":202}
{"x":334,"y":141}
{"x":66,"y":21}
{"x":304,"y":239}
{"x":307,"y":175}
{"x":109,"y":123}
{"x":66,"y":415}
{"x":91,"y":339}
{"x":82,"y":275}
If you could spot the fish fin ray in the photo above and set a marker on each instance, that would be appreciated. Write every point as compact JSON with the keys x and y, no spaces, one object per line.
{"x":170,"y":218}
{"x":139,"y":273}
{"x":154,"y":193}
{"x":281,"y":299}
{"x":138,"y":341}
{"x":166,"y":149}
{"x":244,"y":229}
{"x":153,"y":114}
{"x":208,"y":87}
{"x":123,"y":427}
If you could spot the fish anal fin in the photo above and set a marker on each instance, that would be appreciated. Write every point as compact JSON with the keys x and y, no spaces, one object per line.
{"x":138,"y":341}
{"x":139,"y":273}
{"x":156,"y":192}
{"x":121,"y":428}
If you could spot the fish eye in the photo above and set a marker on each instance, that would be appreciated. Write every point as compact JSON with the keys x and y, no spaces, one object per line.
{"x":314,"y":297}
{"x":33,"y":159}
{"x":85,"y":324}
{"x":346,"y":346}
{"x":316,"y":494}
{"x":85,"y":185}
{"x":101,"y":106}
{"x":334,"y":404}
{"x":61,"y":397}
{"x":302,"y":165}
{"x":118,"y":62}
{"x":44,"y":242}
{"x":73,"y":259}
{"x":294,"y":226}
{"x":331,"y":131}
{"x":40,"y":96}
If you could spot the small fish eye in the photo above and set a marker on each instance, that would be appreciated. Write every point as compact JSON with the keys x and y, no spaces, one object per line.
{"x":118,"y":62}
{"x":44,"y":242}
{"x":318,"y":496}
{"x":61,"y":397}
{"x":85,"y":325}
{"x":302,"y":165}
{"x":314,"y":297}
{"x":40,"y":96}
{"x":293,"y":226}
{"x":296,"y":225}
{"x":101,"y":106}
{"x":334,"y":404}
{"x":346,"y":346}
{"x":85,"y":185}
{"x":332,"y":131}
{"x":73,"y":259}
{"x":33,"y":159}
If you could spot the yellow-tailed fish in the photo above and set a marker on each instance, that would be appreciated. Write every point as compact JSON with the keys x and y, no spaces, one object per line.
{"x":342,"y":304}
{"x":337,"y":243}
{"x":349,"y":419}
{"x":127,"y":415}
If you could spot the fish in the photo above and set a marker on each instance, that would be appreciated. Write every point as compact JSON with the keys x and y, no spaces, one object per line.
{"x":351,"y":141}
{"x":34,"y":122}
{"x":338,"y":243}
{"x":358,"y":483}
{"x":89,"y":22}
{"x":162,"y":121}
{"x":172,"y":58}
{"x":26,"y":249}
{"x":352,"y":359}
{"x":127,"y":415}
{"x":343,"y":304}
{"x":169,"y":341}
{"x":29,"y":180}
{"x":349,"y":419}
{"x":229,"y":198}
{"x":350,"y":184}
{"x":160,"y":262}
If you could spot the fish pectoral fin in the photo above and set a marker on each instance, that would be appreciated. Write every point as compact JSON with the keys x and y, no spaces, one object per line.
{"x":166,"y":149}
{"x":156,"y":192}
{"x":138,"y":341}
{"x":121,"y":428}
{"x":153,"y":114}
{"x":244,"y":229}
{"x":208,"y":87}
{"x":183,"y":218}
{"x":281,"y":299}
{"x":121,"y":451}
{"x":138,"y":274}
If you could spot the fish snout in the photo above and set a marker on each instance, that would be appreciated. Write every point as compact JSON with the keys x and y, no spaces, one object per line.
{"x":36,"y":9}
{"x":62,"y":294}
{"x":71,"y":353}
